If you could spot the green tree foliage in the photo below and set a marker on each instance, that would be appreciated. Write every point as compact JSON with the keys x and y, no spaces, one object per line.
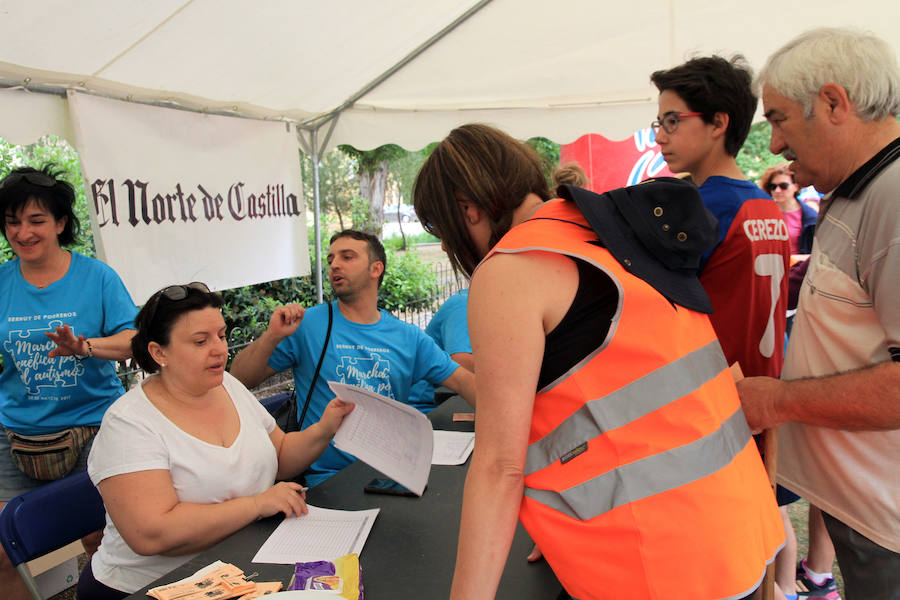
{"x":338,"y":185}
{"x":754,"y":158}
{"x":396,"y":243}
{"x":406,"y":281}
{"x":372,"y":170}
{"x":402,"y":176}
{"x":548,"y":150}
{"x":405,"y":169}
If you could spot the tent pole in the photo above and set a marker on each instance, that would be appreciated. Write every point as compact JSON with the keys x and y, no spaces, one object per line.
{"x":315,"y":151}
{"x":314,"y":147}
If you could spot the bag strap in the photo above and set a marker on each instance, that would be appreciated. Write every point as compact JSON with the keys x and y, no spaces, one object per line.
{"x":315,"y":377}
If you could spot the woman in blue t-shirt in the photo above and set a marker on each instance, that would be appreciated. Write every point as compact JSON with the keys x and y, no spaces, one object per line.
{"x":64,"y":319}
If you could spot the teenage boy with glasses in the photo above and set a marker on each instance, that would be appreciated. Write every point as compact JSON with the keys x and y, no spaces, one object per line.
{"x":706,"y":106}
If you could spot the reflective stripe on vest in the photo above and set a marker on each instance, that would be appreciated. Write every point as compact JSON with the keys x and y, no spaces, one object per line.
{"x":652,"y":475}
{"x":640,"y":397}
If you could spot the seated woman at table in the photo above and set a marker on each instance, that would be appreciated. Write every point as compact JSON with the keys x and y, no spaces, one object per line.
{"x":190,"y":456}
{"x":607,"y":419}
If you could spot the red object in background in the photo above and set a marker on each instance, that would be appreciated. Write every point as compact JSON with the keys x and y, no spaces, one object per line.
{"x":610,"y":164}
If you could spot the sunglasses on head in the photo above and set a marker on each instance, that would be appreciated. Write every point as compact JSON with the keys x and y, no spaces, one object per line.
{"x":41,"y":179}
{"x":783,"y":186}
{"x":175,"y":293}
{"x":180,"y":292}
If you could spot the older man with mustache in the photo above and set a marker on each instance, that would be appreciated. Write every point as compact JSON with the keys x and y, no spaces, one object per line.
{"x":832,"y":97}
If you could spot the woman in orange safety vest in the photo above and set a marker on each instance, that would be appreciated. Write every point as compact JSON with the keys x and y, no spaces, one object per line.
{"x":607,"y":419}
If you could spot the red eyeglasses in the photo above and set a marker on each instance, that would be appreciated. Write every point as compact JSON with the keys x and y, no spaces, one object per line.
{"x":669,"y":121}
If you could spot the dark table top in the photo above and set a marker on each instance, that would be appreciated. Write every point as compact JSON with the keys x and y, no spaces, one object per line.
{"x":411,"y":550}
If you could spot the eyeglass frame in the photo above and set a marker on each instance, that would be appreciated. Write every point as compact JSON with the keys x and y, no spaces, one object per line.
{"x":659,"y":123}
{"x":35,"y":178}
{"x":782,"y":185}
{"x":174,"y":293}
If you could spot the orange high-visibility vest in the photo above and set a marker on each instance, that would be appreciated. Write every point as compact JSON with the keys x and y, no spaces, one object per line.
{"x":641,"y":478}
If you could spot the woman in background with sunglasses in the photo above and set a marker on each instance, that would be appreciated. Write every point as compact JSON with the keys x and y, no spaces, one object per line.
{"x":190,"y":456}
{"x":64,"y":319}
{"x":779,"y":182}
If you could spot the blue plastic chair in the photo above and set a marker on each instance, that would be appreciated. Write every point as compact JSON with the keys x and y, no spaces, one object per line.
{"x":274,"y":402}
{"x":48,"y":518}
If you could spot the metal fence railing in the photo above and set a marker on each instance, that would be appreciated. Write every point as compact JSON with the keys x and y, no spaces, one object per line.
{"x":420,"y":311}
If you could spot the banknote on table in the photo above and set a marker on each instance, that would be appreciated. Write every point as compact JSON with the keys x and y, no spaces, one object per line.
{"x":238,"y":586}
{"x":200,"y":587}
{"x":222,"y":592}
{"x":217,"y":592}
{"x":226,"y":582}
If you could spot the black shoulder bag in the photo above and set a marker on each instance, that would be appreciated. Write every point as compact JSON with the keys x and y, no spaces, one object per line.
{"x":286,"y":415}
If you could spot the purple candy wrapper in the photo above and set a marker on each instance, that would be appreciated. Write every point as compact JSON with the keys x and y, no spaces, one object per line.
{"x":320,"y":573}
{"x":304,"y":571}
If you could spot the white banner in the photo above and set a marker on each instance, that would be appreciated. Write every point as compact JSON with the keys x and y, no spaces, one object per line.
{"x":178,"y":196}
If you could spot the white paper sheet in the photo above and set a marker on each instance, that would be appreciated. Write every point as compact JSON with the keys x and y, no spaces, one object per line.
{"x":322,"y":534}
{"x":392,"y":437}
{"x":452,"y":447}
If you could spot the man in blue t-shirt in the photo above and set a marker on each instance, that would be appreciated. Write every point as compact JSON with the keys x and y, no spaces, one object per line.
{"x":450,"y":330}
{"x":368,"y":347}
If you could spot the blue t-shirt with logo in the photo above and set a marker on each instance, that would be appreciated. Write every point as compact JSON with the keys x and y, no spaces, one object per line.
{"x":386,"y":357}
{"x":450,"y":330}
{"x":39,"y":394}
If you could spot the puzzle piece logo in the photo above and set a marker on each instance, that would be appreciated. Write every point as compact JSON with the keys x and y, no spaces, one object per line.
{"x":39,"y":373}
{"x":373,"y":374}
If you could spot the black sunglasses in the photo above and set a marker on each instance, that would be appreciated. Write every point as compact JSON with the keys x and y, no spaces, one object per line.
{"x":175,"y":293}
{"x":41,"y":179}
{"x":783,"y":186}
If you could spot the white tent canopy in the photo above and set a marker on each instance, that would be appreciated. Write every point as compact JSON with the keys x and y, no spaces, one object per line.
{"x":400,"y":71}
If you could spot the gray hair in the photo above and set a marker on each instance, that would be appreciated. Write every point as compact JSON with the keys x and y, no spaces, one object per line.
{"x":863,"y":64}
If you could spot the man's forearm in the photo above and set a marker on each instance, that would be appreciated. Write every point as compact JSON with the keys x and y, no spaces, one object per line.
{"x":251,"y":365}
{"x":864,"y":399}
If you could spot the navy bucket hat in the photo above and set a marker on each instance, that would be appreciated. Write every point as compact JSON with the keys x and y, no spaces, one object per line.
{"x":657,"y":230}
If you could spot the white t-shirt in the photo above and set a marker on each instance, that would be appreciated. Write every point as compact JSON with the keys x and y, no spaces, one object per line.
{"x":136,"y":436}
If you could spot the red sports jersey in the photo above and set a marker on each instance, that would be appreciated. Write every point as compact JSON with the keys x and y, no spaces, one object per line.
{"x":746,"y":279}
